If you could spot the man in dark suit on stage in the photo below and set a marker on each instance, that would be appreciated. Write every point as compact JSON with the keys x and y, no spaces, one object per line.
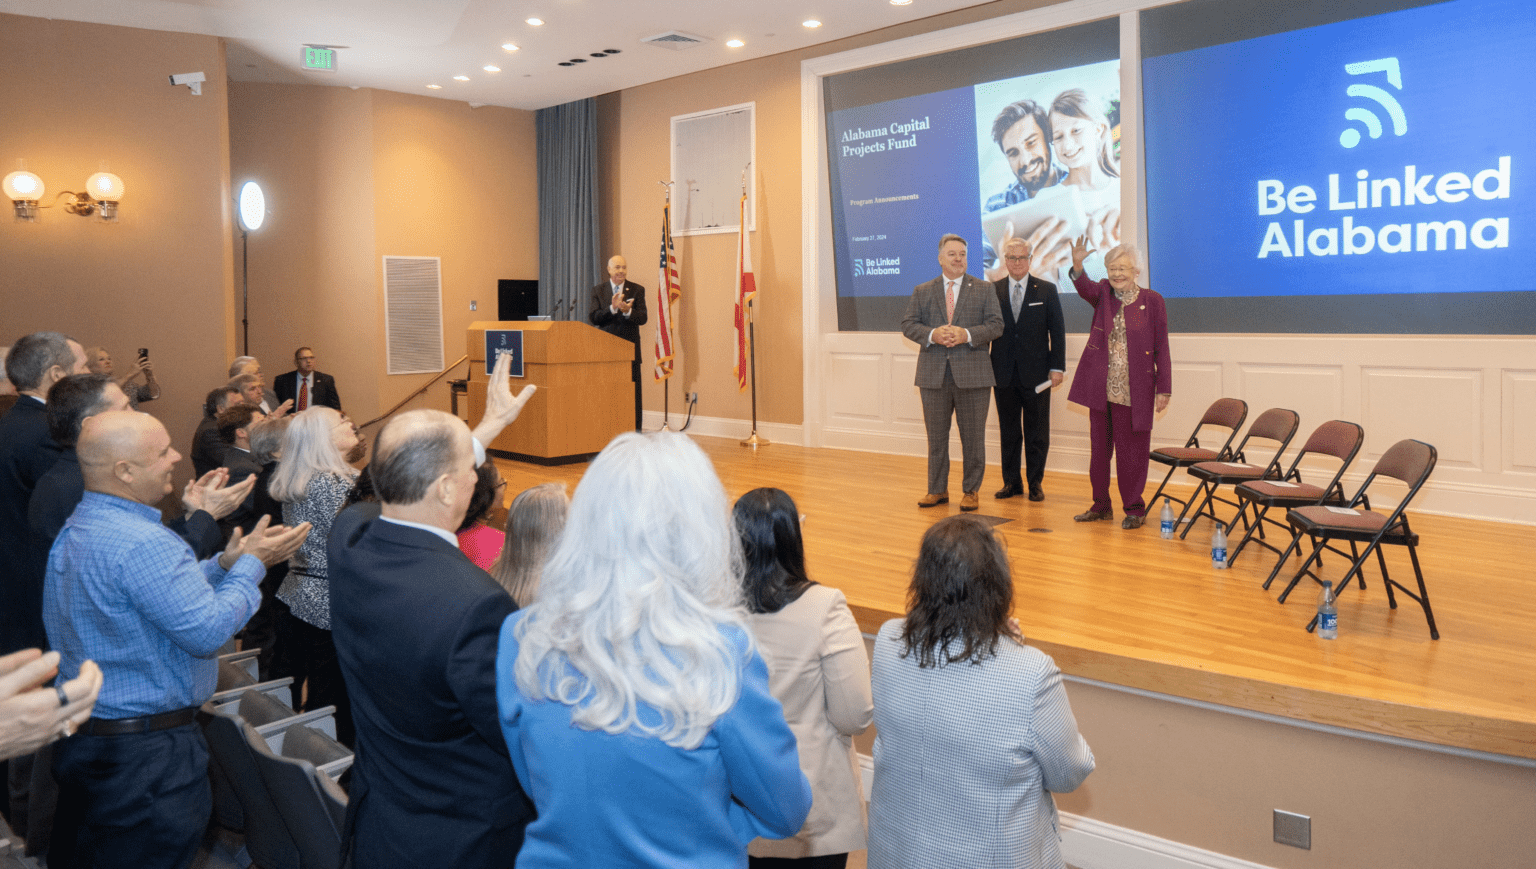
{"x":618,"y":308}
{"x":305,"y":386}
{"x":952,"y":318}
{"x":1031,"y":351}
{"x":416,"y":625}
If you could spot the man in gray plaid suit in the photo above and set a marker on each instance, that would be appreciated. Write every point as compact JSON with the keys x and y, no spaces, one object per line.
{"x":953,"y":318}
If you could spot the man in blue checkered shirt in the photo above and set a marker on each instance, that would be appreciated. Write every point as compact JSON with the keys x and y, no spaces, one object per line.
{"x":124,"y":590}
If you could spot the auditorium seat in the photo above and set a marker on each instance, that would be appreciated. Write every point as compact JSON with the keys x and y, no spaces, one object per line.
{"x":1335,"y":439}
{"x":267,"y":838}
{"x":292,"y":764}
{"x":1277,"y":425}
{"x":1227,"y":413}
{"x":1407,"y":461}
{"x":268,"y":713}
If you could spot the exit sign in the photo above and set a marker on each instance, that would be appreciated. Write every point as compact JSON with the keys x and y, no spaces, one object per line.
{"x":319,"y":57}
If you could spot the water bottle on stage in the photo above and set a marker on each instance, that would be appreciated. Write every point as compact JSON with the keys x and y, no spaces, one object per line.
{"x":1327,"y":613}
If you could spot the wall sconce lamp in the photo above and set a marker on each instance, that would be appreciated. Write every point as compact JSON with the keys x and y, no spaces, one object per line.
{"x":24,"y":188}
{"x":102,"y":193}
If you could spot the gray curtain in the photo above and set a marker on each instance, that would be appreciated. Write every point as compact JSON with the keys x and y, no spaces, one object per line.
{"x":568,"y":257}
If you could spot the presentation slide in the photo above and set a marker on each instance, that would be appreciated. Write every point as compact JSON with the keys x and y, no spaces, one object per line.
{"x":1364,"y":175}
{"x":1031,"y":156}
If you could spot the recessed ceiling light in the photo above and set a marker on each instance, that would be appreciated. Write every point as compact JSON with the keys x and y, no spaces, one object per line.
{"x":491,"y":68}
{"x":539,"y":22}
{"x":901,"y":2}
{"x":811,"y":23}
{"x":461,"y":78}
{"x":734,"y":43}
{"x":507,"y":46}
{"x":434,"y":87}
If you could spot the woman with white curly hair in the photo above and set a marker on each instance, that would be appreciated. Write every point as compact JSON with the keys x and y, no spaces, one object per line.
{"x":634,"y":703}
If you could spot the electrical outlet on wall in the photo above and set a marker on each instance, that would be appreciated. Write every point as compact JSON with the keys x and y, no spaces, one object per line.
{"x":1293,"y":829}
{"x":473,"y":305}
{"x":693,"y":398}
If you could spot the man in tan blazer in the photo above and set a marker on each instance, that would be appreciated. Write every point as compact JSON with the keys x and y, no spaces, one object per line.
{"x":953,"y":318}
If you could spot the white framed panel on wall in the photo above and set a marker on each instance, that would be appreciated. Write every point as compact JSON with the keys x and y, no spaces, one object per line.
{"x":714,"y":153}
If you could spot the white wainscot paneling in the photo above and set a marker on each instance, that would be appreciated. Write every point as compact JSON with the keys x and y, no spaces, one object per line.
{"x":1195,"y":386}
{"x":906,"y":402}
{"x":1442,"y":407}
{"x":850,"y":396}
{"x":1316,"y":392}
{"x":1518,"y":442}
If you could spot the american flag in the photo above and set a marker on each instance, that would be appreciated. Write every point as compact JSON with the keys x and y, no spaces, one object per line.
{"x":746,"y":288}
{"x":668,"y":290}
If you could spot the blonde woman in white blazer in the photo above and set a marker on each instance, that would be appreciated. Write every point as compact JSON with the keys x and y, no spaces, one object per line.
{"x":818,"y":670}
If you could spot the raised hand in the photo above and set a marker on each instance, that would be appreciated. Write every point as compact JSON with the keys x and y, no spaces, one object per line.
{"x":501,"y":406}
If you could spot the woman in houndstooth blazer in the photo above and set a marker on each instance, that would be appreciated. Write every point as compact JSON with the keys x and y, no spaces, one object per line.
{"x":974,"y":731}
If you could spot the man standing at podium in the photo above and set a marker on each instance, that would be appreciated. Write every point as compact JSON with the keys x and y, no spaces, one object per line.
{"x":618,"y":308}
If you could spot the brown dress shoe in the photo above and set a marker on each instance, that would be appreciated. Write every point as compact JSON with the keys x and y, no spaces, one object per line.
{"x":969,"y":502}
{"x":1093,"y":515}
{"x":1130,"y":522}
{"x":933,"y":499}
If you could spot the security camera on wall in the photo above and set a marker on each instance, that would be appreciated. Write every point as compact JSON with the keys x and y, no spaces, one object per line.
{"x":193,"y":80}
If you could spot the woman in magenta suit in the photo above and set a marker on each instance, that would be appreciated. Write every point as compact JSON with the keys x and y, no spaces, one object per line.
{"x":1123,"y":378}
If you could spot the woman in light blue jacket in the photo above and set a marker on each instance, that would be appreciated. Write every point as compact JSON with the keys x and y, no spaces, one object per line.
{"x":974,"y":731}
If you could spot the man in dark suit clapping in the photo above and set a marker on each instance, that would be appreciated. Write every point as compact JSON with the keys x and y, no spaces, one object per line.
{"x":952,"y":318}
{"x":618,"y":308}
{"x":1030,"y":352}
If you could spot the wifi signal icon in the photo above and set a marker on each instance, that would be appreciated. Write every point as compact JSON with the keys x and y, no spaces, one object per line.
{"x":1351,"y":136}
{"x":858,"y":267}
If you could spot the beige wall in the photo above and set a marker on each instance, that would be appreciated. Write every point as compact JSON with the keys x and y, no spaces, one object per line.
{"x":1212,"y":780}
{"x":75,"y":95}
{"x":354,"y":176}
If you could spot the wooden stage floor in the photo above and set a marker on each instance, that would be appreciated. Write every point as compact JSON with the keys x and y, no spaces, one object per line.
{"x":1131,"y":609}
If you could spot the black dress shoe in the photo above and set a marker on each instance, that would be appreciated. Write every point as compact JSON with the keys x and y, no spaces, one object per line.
{"x":1008,"y":492}
{"x":1036,"y":493}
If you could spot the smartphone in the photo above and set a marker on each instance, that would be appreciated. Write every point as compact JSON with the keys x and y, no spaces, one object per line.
{"x":143,"y":352}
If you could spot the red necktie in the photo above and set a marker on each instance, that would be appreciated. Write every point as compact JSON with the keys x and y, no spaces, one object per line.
{"x":303,"y":393}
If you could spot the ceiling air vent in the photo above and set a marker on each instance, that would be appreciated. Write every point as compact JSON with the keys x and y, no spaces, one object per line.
{"x":676,"y":40}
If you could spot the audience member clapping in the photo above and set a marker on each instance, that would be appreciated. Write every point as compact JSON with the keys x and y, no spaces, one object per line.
{"x":534,"y":523}
{"x":633,"y":702}
{"x":974,"y":731}
{"x":207,"y":450}
{"x":32,"y":715}
{"x":312,"y":481}
{"x":817,"y":669}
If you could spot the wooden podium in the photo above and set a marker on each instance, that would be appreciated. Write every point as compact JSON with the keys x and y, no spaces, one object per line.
{"x":585,"y":396}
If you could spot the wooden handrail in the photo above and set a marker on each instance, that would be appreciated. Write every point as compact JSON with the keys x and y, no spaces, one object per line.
{"x":408,"y":398}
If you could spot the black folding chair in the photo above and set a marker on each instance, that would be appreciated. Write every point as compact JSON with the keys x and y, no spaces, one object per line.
{"x":1276,"y":424}
{"x":1408,"y":461}
{"x":1336,"y":438}
{"x":1227,"y":413}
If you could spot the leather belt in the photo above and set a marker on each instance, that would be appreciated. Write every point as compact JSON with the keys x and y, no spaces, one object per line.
{"x":146,"y":724}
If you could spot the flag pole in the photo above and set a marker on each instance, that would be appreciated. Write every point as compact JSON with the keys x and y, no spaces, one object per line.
{"x":666,"y":299}
{"x":754,"y":440}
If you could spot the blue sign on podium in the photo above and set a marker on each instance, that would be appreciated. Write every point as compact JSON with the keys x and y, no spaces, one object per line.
{"x":499,"y":341}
